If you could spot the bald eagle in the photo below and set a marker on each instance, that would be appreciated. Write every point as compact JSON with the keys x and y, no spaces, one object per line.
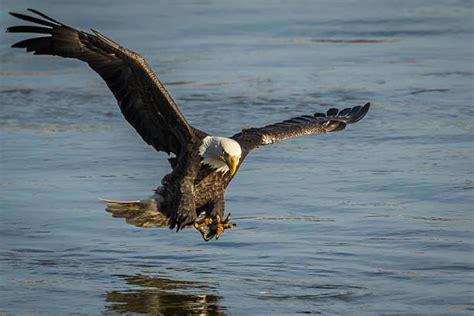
{"x":203,"y":165}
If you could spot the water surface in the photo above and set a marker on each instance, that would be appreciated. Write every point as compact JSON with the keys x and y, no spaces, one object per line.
{"x":373,"y":220}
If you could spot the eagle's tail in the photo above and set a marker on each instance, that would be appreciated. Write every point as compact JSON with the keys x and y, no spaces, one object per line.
{"x":141,"y":213}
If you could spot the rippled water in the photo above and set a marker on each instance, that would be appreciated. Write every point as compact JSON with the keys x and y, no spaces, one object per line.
{"x":376,"y":219}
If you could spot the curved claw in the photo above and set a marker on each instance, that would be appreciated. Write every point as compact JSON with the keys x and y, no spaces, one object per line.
{"x":220,"y":226}
{"x":215,"y":226}
{"x":201,"y":227}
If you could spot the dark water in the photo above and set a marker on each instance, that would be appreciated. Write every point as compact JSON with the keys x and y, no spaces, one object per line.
{"x":375,"y":220}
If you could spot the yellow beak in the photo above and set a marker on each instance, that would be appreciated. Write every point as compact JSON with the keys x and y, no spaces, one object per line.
{"x":232,"y":163}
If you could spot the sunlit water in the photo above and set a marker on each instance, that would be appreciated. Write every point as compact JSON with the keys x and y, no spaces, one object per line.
{"x":376,"y":219}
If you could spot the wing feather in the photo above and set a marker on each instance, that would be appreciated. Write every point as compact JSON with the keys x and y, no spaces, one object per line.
{"x":331,"y":121}
{"x":142,"y":98}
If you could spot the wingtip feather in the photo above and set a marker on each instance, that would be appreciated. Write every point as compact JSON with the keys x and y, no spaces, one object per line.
{"x":44,"y":16}
{"x":361,"y":112}
{"x":33,"y":19}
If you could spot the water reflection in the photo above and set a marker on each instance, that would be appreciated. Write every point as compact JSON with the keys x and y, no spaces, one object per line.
{"x":161,"y":296}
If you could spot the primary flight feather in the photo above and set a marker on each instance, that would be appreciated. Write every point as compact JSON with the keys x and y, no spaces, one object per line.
{"x":193,"y":193}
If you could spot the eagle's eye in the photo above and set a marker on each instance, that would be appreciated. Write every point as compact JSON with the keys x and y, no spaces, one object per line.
{"x":224,"y":155}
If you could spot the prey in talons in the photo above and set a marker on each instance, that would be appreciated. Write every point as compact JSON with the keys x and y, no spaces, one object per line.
{"x":215,"y":226}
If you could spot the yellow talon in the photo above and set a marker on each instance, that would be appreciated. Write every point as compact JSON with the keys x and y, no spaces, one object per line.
{"x":203,"y":232}
{"x":215,"y":226}
{"x":223,"y":225}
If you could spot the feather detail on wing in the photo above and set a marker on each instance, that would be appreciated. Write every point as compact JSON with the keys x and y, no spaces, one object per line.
{"x":332,"y":121}
{"x":142,"y":98}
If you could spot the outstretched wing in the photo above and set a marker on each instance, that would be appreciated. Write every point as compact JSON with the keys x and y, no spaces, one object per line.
{"x":334,"y":120}
{"x":142,"y":98}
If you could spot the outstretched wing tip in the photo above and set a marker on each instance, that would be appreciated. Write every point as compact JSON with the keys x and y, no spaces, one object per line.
{"x":332,"y":121}
{"x":360,"y":114}
{"x":350,"y":114}
{"x":47,"y":22}
{"x":366,"y":107}
{"x":125,"y":72}
{"x":45,"y":16}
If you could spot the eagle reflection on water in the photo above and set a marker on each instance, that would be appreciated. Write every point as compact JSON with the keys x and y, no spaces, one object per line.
{"x":161,"y":296}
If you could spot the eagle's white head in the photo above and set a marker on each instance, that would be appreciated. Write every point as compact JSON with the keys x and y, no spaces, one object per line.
{"x":220,"y":153}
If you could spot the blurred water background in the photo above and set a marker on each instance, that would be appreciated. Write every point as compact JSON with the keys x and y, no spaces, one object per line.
{"x":377,"y":219}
